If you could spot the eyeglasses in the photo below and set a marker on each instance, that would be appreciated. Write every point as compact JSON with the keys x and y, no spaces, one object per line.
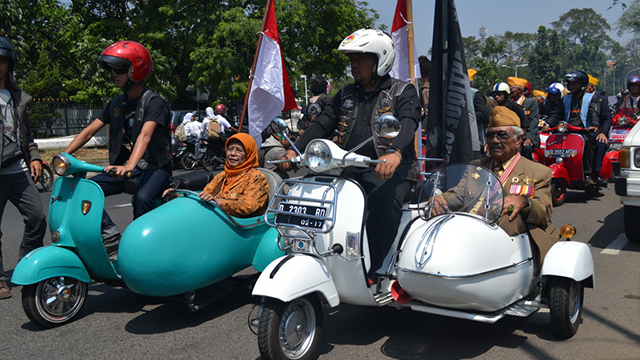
{"x":120,"y":71}
{"x":500,"y":135}
{"x":238,"y":150}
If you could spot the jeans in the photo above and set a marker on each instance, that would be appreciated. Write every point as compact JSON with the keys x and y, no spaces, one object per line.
{"x":21,"y":191}
{"x":149,"y":185}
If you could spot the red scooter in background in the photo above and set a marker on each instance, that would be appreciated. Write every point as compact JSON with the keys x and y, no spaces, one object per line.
{"x":564,"y":154}
{"x":621,"y":124}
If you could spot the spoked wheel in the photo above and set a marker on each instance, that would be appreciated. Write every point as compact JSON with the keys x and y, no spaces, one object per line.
{"x":187,"y":161}
{"x":54,"y":301}
{"x":558,"y":191}
{"x":45,"y":182}
{"x":210,"y":160}
{"x":291,"y":330}
{"x":565,"y":306}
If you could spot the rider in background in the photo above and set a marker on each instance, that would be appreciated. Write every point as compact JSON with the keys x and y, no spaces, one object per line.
{"x":530,"y":109}
{"x":139,"y":134}
{"x":526,"y":184}
{"x":221,"y":117}
{"x":601,"y":138}
{"x":352,"y":112}
{"x":319,"y":89}
{"x":631,"y":100}
{"x":579,"y":109}
{"x":555,"y":92}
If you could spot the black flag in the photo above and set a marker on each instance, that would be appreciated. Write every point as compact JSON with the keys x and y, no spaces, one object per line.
{"x":452,"y":133}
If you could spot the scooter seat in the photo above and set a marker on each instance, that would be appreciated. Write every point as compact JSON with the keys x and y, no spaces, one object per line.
{"x":193,"y":180}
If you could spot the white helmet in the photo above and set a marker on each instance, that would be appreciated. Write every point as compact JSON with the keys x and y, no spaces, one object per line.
{"x":369,"y":41}
{"x":501,"y":87}
{"x":561,"y":89}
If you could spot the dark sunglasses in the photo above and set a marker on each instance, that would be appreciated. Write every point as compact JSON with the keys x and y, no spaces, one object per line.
{"x":120,"y":71}
{"x":500,"y":135}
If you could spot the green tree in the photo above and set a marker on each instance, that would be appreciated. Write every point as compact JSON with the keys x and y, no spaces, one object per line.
{"x":545,"y":59}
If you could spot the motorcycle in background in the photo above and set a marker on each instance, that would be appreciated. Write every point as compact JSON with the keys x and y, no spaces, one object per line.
{"x":621,"y":125}
{"x":564,"y":153}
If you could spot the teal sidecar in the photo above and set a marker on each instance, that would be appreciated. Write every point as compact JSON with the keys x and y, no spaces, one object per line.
{"x":182,"y":246}
{"x":188,"y":244}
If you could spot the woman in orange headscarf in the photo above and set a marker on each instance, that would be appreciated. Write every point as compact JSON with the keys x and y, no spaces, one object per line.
{"x":241,"y":190}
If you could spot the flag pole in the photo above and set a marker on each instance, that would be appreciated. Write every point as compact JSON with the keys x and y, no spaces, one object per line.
{"x":412,"y":70}
{"x":253,"y":67}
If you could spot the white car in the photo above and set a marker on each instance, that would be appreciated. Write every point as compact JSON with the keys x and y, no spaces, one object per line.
{"x":627,"y":182}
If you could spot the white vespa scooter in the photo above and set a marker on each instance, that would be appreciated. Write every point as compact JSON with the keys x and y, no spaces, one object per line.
{"x":458,"y":264}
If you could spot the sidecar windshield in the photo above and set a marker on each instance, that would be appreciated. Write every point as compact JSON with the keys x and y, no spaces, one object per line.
{"x":463,"y":188}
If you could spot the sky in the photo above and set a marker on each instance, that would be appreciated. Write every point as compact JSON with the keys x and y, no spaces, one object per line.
{"x":498,"y":16}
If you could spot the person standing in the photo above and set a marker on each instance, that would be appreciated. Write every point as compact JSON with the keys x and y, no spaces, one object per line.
{"x":139,"y":134}
{"x":21,"y":162}
{"x":531,"y":111}
{"x":352,"y":112}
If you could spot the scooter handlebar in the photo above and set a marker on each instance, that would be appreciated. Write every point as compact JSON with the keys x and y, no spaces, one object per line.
{"x":126,"y":175}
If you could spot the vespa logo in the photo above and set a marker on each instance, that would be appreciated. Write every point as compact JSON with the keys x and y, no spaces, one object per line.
{"x":85,"y":206}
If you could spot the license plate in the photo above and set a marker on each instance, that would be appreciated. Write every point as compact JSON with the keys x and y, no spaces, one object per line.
{"x":615,"y":146}
{"x":560,"y":152}
{"x":299,"y":215}
{"x":619,"y":134}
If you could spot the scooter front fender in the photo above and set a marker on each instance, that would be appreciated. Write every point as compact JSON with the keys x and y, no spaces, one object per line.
{"x":294,"y":276}
{"x":560,"y":171}
{"x":570,"y":259}
{"x":47,"y":262}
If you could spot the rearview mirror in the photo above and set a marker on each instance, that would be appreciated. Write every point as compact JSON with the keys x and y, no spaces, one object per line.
{"x":387,"y":126}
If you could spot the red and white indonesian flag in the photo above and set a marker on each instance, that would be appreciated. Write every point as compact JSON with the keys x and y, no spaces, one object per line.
{"x":270,"y":91}
{"x":400,"y":36}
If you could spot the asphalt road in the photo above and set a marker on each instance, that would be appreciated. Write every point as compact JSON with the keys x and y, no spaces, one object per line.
{"x":117,"y":323}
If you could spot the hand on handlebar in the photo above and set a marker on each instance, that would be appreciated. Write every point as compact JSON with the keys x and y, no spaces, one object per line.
{"x":287,"y":166}
{"x":439,"y":205}
{"x":593,"y":128}
{"x":386,"y":169}
{"x":119,"y":171}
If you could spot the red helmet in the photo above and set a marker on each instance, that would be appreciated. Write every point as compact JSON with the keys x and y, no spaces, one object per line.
{"x":221,"y":109}
{"x":634,"y":80}
{"x":129,"y":55}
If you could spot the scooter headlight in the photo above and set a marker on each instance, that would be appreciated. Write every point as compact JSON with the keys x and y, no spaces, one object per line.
{"x":623,"y":120}
{"x":559,"y":160}
{"x":318,"y":156}
{"x":563,"y":126}
{"x":60,"y":164}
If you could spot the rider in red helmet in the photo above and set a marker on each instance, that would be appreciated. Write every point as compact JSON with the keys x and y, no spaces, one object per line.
{"x":221,"y":110}
{"x":631,"y":101}
{"x":139,"y":133}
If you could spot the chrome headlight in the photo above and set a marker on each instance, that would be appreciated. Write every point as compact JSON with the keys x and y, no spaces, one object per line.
{"x":563,"y":126}
{"x":623,"y":120}
{"x":60,"y":164}
{"x":318,"y":156}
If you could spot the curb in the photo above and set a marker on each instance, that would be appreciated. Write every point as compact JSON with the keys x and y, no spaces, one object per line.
{"x":63,"y":142}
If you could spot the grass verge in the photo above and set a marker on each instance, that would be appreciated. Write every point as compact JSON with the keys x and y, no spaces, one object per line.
{"x":88,"y":154}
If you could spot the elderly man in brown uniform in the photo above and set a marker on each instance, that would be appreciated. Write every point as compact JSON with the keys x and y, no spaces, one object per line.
{"x":503,"y":137}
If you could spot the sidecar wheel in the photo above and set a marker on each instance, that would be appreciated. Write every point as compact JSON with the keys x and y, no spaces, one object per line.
{"x":558,"y":191}
{"x":565,"y":306}
{"x":187,"y":161}
{"x":291,"y":330}
{"x":54,"y":301}
{"x":46,"y":179}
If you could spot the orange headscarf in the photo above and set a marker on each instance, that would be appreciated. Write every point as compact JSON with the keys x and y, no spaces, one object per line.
{"x":251,"y":151}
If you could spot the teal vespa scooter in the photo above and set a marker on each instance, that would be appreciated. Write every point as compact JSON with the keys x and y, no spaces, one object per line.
{"x":155,"y":257}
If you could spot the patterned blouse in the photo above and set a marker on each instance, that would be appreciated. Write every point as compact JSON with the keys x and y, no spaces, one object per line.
{"x":248,"y":196}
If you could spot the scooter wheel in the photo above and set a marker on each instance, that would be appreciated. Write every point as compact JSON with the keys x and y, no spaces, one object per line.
{"x":558,"y":191}
{"x":290,"y":330}
{"x":54,"y":301}
{"x":566,"y":297}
